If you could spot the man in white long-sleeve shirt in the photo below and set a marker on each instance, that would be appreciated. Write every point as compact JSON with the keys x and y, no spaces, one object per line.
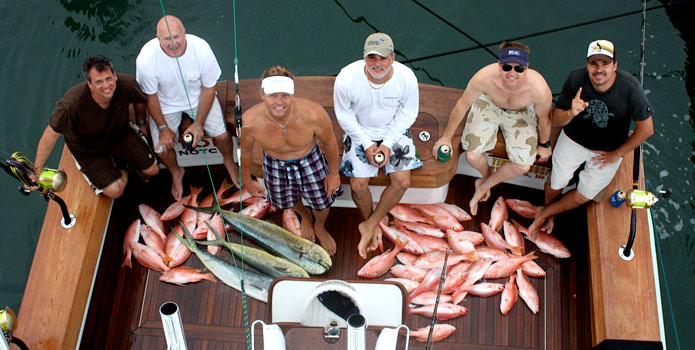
{"x":376,"y":101}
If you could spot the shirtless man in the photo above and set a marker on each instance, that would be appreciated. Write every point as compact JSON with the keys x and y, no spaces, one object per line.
{"x":505,"y":95}
{"x":294,"y":134}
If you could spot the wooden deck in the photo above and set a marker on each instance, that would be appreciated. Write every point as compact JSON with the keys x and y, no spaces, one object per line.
{"x":123,"y":314}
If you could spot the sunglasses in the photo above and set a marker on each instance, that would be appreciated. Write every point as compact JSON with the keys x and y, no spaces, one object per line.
{"x":519,"y":69}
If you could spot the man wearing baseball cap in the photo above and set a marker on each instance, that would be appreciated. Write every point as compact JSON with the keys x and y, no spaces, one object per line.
{"x":596,"y":108}
{"x":376,"y":101}
{"x":300,"y":153}
{"x":505,"y":95}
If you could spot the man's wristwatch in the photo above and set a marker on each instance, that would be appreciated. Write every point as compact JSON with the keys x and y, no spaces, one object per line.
{"x":544,"y":144}
{"x":161,"y":128}
{"x":141,"y":122}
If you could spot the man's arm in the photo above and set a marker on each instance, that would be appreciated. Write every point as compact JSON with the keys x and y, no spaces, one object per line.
{"x":562,"y":117}
{"x":141,"y":114}
{"x":543,"y":107}
{"x":45,"y":147}
{"x":643,"y":130}
{"x":406,"y":114}
{"x":346,"y":117}
{"x":329,"y":146}
{"x":207,"y":98}
{"x":167,"y":137}
{"x":247,"y":142}
{"x":459,"y":113}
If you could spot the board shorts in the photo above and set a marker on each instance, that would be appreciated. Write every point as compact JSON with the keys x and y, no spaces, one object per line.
{"x":519,"y":128}
{"x":568,"y":156}
{"x":214,"y":123}
{"x":403,"y":156}
{"x":286,"y":180}
{"x":101,"y":170}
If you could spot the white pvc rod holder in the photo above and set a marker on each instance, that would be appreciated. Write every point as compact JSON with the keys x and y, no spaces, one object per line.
{"x":173,"y":327}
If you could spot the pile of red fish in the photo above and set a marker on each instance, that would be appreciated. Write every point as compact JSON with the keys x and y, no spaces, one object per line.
{"x":164,"y":252}
{"x":423,"y":232}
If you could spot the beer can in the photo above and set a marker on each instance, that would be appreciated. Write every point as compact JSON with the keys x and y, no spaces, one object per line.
{"x":379,"y":158}
{"x":53,"y":179}
{"x":188,"y":141}
{"x":618,"y":198}
{"x":443,"y":153}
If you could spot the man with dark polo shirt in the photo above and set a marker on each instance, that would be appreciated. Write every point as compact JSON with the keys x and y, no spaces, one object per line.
{"x":93,"y":116}
{"x":596,"y":107}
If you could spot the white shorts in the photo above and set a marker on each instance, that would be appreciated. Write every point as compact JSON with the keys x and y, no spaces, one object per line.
{"x":568,"y":156}
{"x":214,"y":123}
{"x":403,"y":156}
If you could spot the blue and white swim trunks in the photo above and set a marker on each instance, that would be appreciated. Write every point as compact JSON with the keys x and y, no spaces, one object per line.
{"x":404,"y":156}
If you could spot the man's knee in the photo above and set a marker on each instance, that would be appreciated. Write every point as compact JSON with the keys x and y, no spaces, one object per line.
{"x":115,"y":189}
{"x":401,"y":180}
{"x":359,"y":184}
{"x":520,"y":168}
{"x":151,"y":171}
{"x":472,"y":157}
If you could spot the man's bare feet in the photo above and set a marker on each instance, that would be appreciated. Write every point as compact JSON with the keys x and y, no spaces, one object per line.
{"x":540,"y":221}
{"x":368,"y":241}
{"x":325,"y":239}
{"x":177,"y":183}
{"x":307,"y":226}
{"x":480,"y":195}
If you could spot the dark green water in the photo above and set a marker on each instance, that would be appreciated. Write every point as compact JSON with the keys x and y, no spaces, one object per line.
{"x":44,"y":43}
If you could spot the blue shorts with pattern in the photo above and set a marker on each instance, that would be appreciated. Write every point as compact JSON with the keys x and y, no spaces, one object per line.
{"x":403,"y":156}
{"x":285,"y":180}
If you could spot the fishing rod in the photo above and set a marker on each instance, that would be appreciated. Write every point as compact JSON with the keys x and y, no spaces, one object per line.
{"x":436,"y":302}
{"x":50,"y":181}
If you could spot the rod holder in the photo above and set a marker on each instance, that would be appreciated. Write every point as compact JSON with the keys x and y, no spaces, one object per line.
{"x":173,"y":327}
{"x":355,"y":331}
{"x":273,"y":338}
{"x":388,"y":338}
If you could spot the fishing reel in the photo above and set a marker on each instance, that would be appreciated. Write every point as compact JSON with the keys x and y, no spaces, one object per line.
{"x":8,"y":323}
{"x":637,"y":199}
{"x":49,"y":182}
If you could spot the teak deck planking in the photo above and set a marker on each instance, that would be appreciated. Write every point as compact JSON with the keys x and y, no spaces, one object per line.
{"x":124,"y":314}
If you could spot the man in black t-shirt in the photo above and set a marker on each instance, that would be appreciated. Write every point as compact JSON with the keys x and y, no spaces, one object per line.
{"x":595,"y":109}
{"x":93,"y":117}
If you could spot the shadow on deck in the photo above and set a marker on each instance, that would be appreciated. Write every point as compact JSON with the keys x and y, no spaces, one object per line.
{"x":123,"y":313}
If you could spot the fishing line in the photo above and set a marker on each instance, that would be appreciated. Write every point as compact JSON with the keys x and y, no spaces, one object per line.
{"x":656,"y":239}
{"x":455,"y":28}
{"x":207,"y":165}
{"x":550,"y":31}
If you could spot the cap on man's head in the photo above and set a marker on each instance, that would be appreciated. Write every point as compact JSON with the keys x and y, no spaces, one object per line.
{"x":513,"y":55}
{"x":601,"y":47}
{"x":378,"y":43}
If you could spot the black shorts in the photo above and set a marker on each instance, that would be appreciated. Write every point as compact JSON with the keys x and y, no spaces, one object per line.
{"x":102,"y":169}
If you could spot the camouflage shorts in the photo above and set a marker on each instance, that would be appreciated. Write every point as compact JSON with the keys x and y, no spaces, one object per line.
{"x":519,"y":128}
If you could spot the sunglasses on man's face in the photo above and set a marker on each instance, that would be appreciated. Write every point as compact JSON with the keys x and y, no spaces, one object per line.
{"x":507,"y":67}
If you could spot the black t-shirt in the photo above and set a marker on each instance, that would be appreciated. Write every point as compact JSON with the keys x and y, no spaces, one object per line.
{"x":605,"y":124}
{"x":88,"y":128}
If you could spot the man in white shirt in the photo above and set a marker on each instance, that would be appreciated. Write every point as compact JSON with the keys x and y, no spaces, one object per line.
{"x":376,"y":101}
{"x":161,"y":76}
